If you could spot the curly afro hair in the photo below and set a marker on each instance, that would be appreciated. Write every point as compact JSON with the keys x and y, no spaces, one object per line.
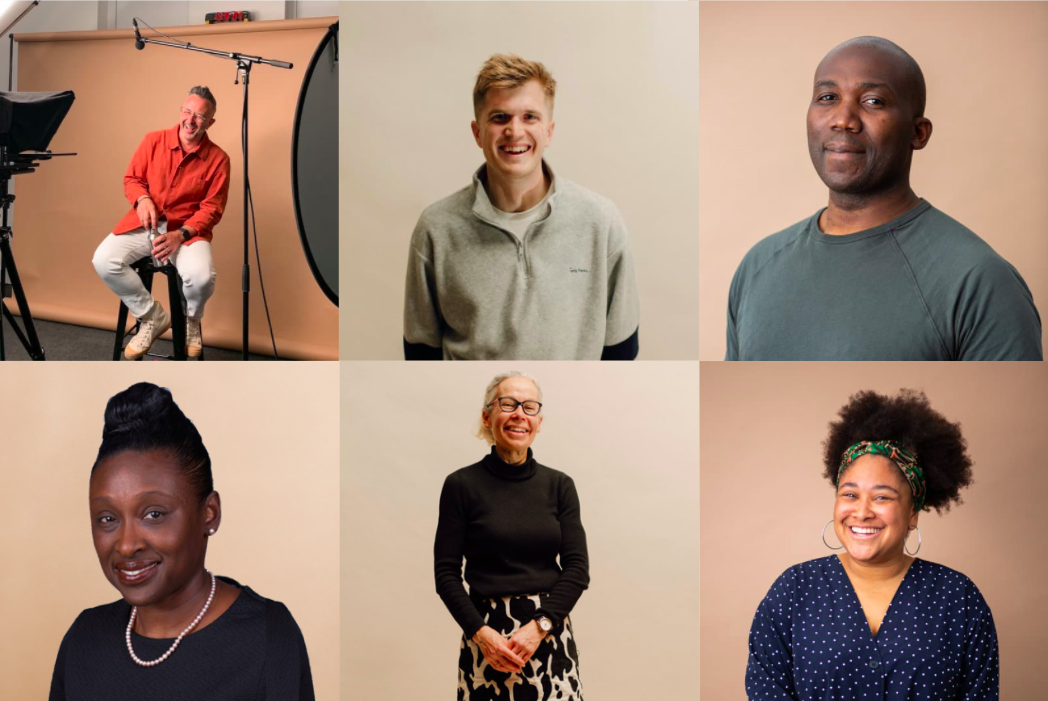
{"x":908,"y":419}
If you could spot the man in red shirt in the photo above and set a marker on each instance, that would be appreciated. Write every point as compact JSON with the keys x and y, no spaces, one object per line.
{"x":177,"y":183}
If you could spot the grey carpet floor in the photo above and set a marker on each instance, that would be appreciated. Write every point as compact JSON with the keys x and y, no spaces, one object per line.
{"x":68,"y":342}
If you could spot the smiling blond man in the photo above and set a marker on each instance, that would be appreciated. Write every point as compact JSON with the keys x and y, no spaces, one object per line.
{"x":521,"y":263}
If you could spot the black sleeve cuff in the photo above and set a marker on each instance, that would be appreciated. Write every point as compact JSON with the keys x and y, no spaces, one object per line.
{"x":469,"y":632}
{"x":627,"y":350}
{"x":420,"y":351}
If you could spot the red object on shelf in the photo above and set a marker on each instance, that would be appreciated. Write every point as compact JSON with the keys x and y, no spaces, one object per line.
{"x":215,"y":17}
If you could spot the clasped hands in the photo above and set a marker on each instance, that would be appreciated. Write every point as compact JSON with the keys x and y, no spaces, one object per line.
{"x":509,"y":655}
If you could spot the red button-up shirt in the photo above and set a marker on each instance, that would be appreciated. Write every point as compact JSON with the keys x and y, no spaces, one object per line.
{"x":188,"y":189}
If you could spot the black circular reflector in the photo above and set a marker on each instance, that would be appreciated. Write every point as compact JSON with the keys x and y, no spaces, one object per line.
{"x":314,"y":164}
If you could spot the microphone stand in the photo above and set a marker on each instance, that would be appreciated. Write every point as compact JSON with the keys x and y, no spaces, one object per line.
{"x":244,"y":63}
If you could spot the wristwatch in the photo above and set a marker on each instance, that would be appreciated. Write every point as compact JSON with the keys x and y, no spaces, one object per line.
{"x":185,"y":234}
{"x":545,"y":625}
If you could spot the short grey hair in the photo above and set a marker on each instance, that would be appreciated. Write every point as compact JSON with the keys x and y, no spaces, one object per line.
{"x":204,"y":92}
{"x":483,"y":432}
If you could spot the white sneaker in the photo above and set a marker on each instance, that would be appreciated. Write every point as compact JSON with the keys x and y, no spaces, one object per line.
{"x":194,"y":342}
{"x":151,"y":326}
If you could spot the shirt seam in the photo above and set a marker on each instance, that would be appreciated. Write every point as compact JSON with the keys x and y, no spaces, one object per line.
{"x":749,"y":284}
{"x":920,"y":294}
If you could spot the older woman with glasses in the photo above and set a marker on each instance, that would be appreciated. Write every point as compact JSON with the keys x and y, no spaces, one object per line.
{"x":511,"y":518}
{"x":874,"y":622}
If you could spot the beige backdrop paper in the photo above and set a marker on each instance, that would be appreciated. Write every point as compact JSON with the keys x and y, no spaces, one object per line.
{"x":764,"y":500}
{"x":986,"y":65}
{"x":626,"y":114}
{"x":628,"y":436}
{"x":69,"y":205}
{"x":274,"y":445}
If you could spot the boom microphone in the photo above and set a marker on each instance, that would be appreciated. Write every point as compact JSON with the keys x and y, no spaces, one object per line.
{"x":139,"y":44}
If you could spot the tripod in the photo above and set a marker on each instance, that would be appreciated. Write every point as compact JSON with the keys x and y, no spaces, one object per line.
{"x":29,"y":339}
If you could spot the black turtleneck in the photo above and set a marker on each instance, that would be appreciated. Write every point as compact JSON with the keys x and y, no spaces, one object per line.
{"x":510,"y":522}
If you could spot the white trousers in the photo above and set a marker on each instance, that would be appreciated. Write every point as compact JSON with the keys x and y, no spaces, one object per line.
{"x":114,"y":257}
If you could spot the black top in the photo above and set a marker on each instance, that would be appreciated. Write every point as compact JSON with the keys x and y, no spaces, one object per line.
{"x":510,"y":522}
{"x":253,"y":651}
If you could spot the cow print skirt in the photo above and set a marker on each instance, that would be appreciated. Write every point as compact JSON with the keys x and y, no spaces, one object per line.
{"x":552,"y":673}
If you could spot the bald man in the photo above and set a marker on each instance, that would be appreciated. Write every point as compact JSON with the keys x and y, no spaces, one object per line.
{"x":879,"y":273}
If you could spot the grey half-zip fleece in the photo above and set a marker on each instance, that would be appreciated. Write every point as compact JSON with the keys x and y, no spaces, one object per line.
{"x":565,"y":291}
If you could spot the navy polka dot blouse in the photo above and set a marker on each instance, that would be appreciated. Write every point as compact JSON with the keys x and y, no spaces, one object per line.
{"x":810,"y":640}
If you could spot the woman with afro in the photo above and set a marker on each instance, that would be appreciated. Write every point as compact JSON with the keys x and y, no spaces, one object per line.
{"x":874,"y":622}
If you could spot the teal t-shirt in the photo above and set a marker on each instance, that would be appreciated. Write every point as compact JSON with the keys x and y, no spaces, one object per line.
{"x":920,"y":287}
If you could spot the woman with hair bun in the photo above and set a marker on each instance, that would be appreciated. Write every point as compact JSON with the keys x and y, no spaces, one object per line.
{"x":178,"y":632}
{"x":874,"y":622}
{"x":511,"y":519}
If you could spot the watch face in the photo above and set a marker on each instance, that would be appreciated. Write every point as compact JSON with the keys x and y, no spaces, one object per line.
{"x":545,"y":624}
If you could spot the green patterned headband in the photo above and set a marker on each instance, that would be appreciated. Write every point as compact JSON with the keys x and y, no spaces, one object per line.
{"x":906,"y":461}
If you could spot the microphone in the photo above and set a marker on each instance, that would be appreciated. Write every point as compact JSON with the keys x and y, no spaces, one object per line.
{"x":139,"y":44}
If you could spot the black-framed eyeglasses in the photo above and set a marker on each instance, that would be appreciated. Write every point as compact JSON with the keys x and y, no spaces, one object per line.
{"x":509,"y":405}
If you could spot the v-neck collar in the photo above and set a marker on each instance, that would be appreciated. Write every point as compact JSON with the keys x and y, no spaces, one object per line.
{"x":858,"y":604}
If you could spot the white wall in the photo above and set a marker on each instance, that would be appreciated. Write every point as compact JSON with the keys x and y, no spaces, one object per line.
{"x":48,"y":16}
{"x":159,"y":14}
{"x":82,"y":15}
{"x":312,"y":8}
{"x":179,"y":13}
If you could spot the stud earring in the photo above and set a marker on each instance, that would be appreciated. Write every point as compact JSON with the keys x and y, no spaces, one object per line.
{"x":211,"y":531}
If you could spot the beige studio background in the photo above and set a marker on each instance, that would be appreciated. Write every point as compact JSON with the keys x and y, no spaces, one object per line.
{"x":627,"y":433}
{"x":986,"y":65}
{"x":626,"y":114}
{"x":274,"y":446}
{"x":764,"y":500}
{"x":69,"y":205}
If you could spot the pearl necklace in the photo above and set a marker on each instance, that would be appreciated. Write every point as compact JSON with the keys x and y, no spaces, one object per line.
{"x":174,"y":645}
